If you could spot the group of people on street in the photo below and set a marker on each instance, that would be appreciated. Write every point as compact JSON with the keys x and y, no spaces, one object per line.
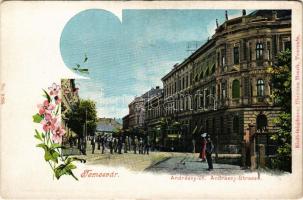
{"x":120,"y":144}
{"x":207,"y":149}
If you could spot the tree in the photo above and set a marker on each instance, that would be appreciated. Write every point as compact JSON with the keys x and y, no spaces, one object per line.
{"x":281,"y":88}
{"x":81,"y":113}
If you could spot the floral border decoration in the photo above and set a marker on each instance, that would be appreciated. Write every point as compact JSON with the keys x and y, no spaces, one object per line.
{"x":52,"y":133}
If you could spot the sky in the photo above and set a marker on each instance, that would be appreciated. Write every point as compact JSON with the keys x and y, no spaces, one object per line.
{"x":128,"y":58}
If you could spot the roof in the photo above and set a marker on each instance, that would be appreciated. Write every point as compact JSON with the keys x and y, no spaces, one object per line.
{"x":106,"y":128}
{"x":269,"y":13}
{"x":108,"y":125}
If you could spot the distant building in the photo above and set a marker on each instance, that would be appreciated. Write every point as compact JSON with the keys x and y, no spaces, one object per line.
{"x":136,"y":116}
{"x":108,"y":125}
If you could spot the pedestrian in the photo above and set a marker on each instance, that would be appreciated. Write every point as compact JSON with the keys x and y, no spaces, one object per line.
{"x":115,"y":142}
{"x":140,"y":146}
{"x":92,"y":142}
{"x":110,"y":144}
{"x":146,"y":147}
{"x":98,"y":141}
{"x":135,"y":144}
{"x":209,"y":151}
{"x":102,"y":142}
{"x":119,"y":145}
{"x":203,"y":147}
{"x":125,"y":144}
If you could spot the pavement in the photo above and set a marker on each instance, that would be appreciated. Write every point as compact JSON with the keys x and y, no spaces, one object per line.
{"x":191,"y":164}
{"x":158,"y":162}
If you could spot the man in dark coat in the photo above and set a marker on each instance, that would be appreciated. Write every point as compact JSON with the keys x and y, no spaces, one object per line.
{"x":209,"y":151}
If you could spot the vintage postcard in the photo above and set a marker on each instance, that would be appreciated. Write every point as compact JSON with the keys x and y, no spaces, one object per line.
{"x":151,"y":100}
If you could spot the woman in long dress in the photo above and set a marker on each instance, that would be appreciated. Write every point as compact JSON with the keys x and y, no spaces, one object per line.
{"x":203,"y":148}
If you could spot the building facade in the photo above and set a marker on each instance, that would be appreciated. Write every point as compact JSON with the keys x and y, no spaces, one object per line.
{"x":135,"y":120}
{"x":69,"y":95}
{"x":224,"y":86}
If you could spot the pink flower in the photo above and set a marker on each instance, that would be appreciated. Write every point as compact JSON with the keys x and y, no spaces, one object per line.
{"x":45,"y":108}
{"x":49,"y":124}
{"x":54,"y":90}
{"x":57,"y":100}
{"x":58,"y":133}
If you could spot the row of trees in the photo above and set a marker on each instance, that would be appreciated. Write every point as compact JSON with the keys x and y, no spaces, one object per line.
{"x":82,"y":118}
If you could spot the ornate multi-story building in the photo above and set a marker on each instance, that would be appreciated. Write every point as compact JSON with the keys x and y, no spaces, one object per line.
{"x":224,"y":85}
{"x":69,"y":93}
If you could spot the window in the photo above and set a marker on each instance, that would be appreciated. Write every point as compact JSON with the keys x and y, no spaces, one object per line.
{"x":261,"y":121}
{"x":246,"y":86}
{"x":236,"y":55}
{"x":186,"y":81}
{"x":287,"y":45}
{"x":207,"y":72}
{"x":236,"y":89}
{"x":219,"y":91}
{"x":243,"y":46}
{"x":268,"y":50}
{"x":236,"y":124}
{"x":175,"y":86}
{"x":260,"y":88}
{"x":223,"y":90}
{"x":207,"y":97}
{"x":218,"y":58}
{"x":259,"y":51}
{"x":223,"y":57}
{"x":201,"y":101}
{"x":201,"y":75}
{"x":250,"y":51}
{"x":213,"y":69}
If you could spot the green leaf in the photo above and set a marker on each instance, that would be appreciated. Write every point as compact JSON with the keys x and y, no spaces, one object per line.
{"x":37,"y":118}
{"x":47,"y":96}
{"x":51,"y":155}
{"x":65,"y":169}
{"x":71,"y":166}
{"x":55,"y":145}
{"x":37,"y":135}
{"x":42,"y":145}
{"x":47,"y":155}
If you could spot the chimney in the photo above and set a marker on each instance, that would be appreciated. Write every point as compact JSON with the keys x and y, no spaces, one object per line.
{"x":226,"y":15}
{"x":217,"y":23}
{"x":243,"y":12}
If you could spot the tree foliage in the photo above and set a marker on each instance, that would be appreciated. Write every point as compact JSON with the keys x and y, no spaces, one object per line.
{"x":281,"y":88}
{"x":81,"y":112}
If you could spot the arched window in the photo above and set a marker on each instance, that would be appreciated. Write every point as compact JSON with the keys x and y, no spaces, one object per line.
{"x":207,"y":72}
{"x":213,"y":69}
{"x":260,"y":88}
{"x":261,"y":121}
{"x":236,"y":89}
{"x":236,"y":124}
{"x":259,"y":51}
